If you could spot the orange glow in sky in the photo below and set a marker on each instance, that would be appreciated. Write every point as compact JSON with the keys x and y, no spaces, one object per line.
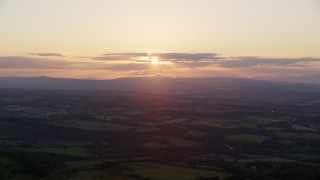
{"x":182,"y":38}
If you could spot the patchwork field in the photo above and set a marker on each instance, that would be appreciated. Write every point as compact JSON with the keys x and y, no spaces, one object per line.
{"x":121,"y":135}
{"x":164,"y":172}
{"x":247,"y":138}
{"x":71,"y":151}
{"x":286,"y":135}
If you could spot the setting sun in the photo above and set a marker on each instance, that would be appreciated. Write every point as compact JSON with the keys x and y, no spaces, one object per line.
{"x":154,"y":60}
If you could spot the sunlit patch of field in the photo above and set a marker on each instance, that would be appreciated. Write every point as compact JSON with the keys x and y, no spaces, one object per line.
{"x":163,"y":172}
{"x":265,"y":158}
{"x":287,"y":135}
{"x":302,"y":128}
{"x":71,"y":151}
{"x":303,"y":157}
{"x":246,"y":138}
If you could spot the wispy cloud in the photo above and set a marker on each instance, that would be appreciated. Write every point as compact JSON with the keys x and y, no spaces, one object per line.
{"x":47,"y":54}
{"x":120,"y":56}
{"x":188,"y":56}
{"x":171,"y":64}
{"x":163,"y":56}
{"x":131,"y":66}
{"x":32,"y":63}
{"x":194,"y":60}
{"x":245,"y":62}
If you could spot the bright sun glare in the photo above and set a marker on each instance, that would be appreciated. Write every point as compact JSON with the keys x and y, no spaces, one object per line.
{"x":154,"y":60}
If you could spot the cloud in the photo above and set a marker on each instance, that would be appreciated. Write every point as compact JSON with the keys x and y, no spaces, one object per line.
{"x":188,"y":56}
{"x":131,"y":66}
{"x":120,"y":56}
{"x":139,"y":61}
{"x":171,"y":64}
{"x":162,"y":56}
{"x":7,"y":62}
{"x":21,"y":62}
{"x":195,"y":60}
{"x":190,"y":60}
{"x":47,"y":54}
{"x":140,"y":66}
{"x":193,"y":64}
{"x":246,"y":62}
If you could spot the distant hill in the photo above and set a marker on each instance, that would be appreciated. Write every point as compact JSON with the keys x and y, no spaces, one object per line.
{"x":145,"y":84}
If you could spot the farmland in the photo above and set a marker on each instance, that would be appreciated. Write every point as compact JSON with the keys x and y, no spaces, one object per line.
{"x":137,"y":135}
{"x":246,"y":138}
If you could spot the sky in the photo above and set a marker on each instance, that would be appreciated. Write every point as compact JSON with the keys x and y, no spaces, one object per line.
{"x":105,"y":39}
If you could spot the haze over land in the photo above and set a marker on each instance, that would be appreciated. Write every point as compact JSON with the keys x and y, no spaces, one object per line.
{"x":162,"y":85}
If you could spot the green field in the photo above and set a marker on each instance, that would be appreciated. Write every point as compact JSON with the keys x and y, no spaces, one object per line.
{"x":272,"y":128}
{"x":247,"y":138}
{"x":222,"y":123}
{"x":81,"y":164}
{"x":183,"y":142}
{"x":163,"y":172}
{"x":92,"y":125}
{"x":268,"y":119}
{"x":71,"y":151}
{"x":286,"y":135}
{"x":286,"y":142}
{"x":303,"y":157}
{"x":226,"y":123}
{"x":197,"y":133}
{"x":31,"y":111}
{"x":102,"y":126}
{"x":266,"y":158}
